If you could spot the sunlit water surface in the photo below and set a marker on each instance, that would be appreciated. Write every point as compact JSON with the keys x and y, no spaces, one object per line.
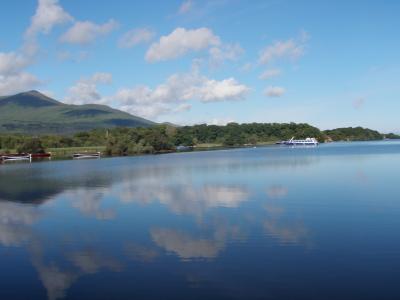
{"x":263,"y":223}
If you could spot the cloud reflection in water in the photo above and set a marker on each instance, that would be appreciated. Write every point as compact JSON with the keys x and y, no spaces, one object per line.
{"x":184,"y":245}
{"x":206,"y":214}
{"x":185,"y":199}
{"x":278,"y":226}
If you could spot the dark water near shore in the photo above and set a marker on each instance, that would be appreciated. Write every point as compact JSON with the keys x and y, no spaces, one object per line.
{"x":264,"y":223}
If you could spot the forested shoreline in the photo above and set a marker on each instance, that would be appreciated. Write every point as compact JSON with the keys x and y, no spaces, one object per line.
{"x":166,"y":138}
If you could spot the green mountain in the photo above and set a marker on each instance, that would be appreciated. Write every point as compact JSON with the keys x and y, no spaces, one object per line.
{"x":34,"y":113}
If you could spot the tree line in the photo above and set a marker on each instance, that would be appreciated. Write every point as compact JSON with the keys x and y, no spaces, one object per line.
{"x":166,"y":138}
{"x":355,"y":134}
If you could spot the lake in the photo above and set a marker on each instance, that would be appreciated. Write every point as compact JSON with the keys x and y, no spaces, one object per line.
{"x":256,"y":223}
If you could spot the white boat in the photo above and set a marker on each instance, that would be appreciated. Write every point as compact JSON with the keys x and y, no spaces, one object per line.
{"x":184,"y":148}
{"x":306,"y":142}
{"x":86,"y":155}
{"x":16,"y":157}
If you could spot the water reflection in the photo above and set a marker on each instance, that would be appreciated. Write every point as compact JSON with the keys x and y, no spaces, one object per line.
{"x":141,"y":253}
{"x":47,"y":180}
{"x":184,"y":245}
{"x":89,"y":203}
{"x":58,"y":277}
{"x":40,"y":182}
{"x":15,"y":223}
{"x":288,"y":230}
{"x":55,"y":280}
{"x":184,"y":199}
{"x":99,"y":196}
{"x":226,"y":224}
{"x":90,"y":261}
{"x":277,"y":191}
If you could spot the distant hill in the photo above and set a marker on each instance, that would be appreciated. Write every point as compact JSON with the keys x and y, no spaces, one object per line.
{"x":170,"y":124}
{"x":33,"y":112}
{"x":354,"y":134}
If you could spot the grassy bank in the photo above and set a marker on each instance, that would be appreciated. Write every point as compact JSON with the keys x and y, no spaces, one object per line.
{"x":208,"y":145}
{"x":67,"y":151}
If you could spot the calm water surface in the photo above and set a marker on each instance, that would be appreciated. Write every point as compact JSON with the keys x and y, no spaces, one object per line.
{"x":264,"y":223}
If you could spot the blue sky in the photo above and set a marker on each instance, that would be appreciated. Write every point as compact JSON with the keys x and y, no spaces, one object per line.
{"x":327,"y":63}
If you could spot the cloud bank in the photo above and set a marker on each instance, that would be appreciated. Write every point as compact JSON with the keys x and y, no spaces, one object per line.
{"x":180,"y":42}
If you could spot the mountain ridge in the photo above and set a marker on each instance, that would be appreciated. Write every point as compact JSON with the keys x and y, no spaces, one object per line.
{"x":35,"y":113}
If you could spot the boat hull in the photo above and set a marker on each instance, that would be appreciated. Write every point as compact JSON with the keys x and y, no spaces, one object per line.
{"x":305,"y":142}
{"x":86,"y":155}
{"x":41,"y":155}
{"x":16,"y":157}
{"x":301,"y":144}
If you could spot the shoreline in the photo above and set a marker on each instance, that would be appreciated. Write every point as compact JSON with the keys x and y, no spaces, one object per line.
{"x":68,"y":152}
{"x":59,"y":154}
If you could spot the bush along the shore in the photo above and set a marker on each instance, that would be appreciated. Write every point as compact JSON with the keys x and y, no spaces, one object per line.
{"x":165,"y":138}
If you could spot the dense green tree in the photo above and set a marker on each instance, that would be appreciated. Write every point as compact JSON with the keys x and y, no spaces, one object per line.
{"x":32,"y":145}
{"x":392,"y":136}
{"x":353,"y":134}
{"x":164,"y":138}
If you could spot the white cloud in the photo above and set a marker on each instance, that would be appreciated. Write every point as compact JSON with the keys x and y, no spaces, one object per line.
{"x":292,"y":49}
{"x":64,"y":55}
{"x":48,"y":93}
{"x":227,"y":89}
{"x":16,"y":83}
{"x":185,"y":7}
{"x":85,"y":32}
{"x":247,"y":67}
{"x":85,"y":89}
{"x":104,"y":78}
{"x":178,"y":88}
{"x":270,"y":73}
{"x":12,"y":63}
{"x":220,"y":121}
{"x":135,"y":37}
{"x":48,"y":14}
{"x":181,"y":41}
{"x":72,"y":56}
{"x":147,"y":111}
{"x":274,"y":91}
{"x":13,"y":77}
{"x":225,"y":52}
{"x":172,"y":96}
{"x":182,"y":107}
